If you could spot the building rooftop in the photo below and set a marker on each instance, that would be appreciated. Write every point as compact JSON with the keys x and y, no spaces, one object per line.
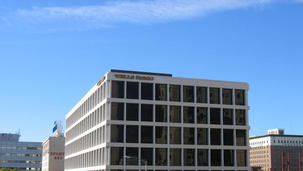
{"x":8,"y":137}
{"x":140,"y":72}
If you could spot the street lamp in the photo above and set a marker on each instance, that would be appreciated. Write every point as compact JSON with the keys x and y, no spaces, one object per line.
{"x":131,"y":157}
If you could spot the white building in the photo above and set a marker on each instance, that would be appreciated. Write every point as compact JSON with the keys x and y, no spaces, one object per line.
{"x":20,"y":155}
{"x":136,"y":120}
{"x":53,"y":150}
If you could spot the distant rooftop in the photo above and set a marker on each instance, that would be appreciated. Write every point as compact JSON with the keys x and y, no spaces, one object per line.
{"x":139,"y":72}
{"x":9,"y":137}
{"x":278,"y":132}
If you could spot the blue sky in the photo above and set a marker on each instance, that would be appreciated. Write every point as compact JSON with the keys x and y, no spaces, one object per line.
{"x":52,"y":52}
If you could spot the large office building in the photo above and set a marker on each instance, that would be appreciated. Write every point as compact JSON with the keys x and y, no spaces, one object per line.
{"x":23,"y":156}
{"x":277,"y":151}
{"x":53,"y":150}
{"x":137,"y":121}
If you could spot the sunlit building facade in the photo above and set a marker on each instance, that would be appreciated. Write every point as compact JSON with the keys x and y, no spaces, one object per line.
{"x":152,"y":121}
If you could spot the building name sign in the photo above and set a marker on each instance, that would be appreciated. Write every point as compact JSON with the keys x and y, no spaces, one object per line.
{"x":134,"y":77}
{"x":101,"y":81}
{"x":57,"y":155}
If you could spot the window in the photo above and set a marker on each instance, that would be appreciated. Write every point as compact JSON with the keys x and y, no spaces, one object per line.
{"x":241,"y":158}
{"x":202,"y":134}
{"x":147,"y":134}
{"x":147,"y":111}
{"x":117,"y":89}
{"x":189,"y":157}
{"x":161,"y":92}
{"x":228,"y":136}
{"x":132,"y":90}
{"x":214,"y":95}
{"x":188,"y":114}
{"x":229,"y":158}
{"x":215,"y":116}
{"x":215,"y":136}
{"x":241,"y":137}
{"x":215,"y":157}
{"x":227,"y":96}
{"x":175,"y":135}
{"x":228,"y":117}
{"x":161,"y":156}
{"x":131,"y":156}
{"x":202,"y":115}
{"x":161,"y":135}
{"x":175,"y":156}
{"x":240,"y":97}
{"x":117,"y":111}
{"x":174,"y":93}
{"x":161,"y":113}
{"x":189,"y":135}
{"x":116,"y":133}
{"x":147,"y":91}
{"x":147,"y":155}
{"x":116,"y":155}
{"x":175,"y":114}
{"x":201,"y":94}
{"x":132,"y":112}
{"x":131,"y":134}
{"x":202,"y":157}
{"x":240,"y":117}
{"x":188,"y":94}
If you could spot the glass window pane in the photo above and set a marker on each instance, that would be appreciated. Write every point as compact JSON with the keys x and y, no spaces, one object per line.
{"x":189,"y":157}
{"x":201,"y":94}
{"x":228,"y":136}
{"x":215,"y":157}
{"x":116,"y":155}
{"x":228,"y":116}
{"x":117,"y":133}
{"x":202,"y":134}
{"x":214,"y":94}
{"x":132,"y":90}
{"x":215,"y":116}
{"x":188,"y":114}
{"x":147,"y":111}
{"x":147,"y":134}
{"x":147,"y":91}
{"x":161,"y":135}
{"x":202,"y":157}
{"x":202,"y":115}
{"x":117,"y":111}
{"x":132,"y":112}
{"x":241,"y":137}
{"x":161,"y":113}
{"x":241,"y":158}
{"x":131,"y":156}
{"x":161,"y":92}
{"x":161,"y":156}
{"x":240,"y":117}
{"x":240,"y":97}
{"x":227,"y":96}
{"x":189,"y":135}
{"x":147,"y":155}
{"x":229,"y":158}
{"x":175,"y":156}
{"x":175,"y":114}
{"x":188,"y":94}
{"x":131,"y":134}
{"x":175,"y":135}
{"x":174,"y":93}
{"x":215,"y":136}
{"x":117,"y":89}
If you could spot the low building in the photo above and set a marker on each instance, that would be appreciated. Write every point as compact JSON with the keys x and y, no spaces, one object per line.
{"x":20,"y":155}
{"x":53,"y":150}
{"x":277,"y":151}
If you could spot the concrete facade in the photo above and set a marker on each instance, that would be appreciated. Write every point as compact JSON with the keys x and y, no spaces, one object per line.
{"x":137,"y":120}
{"x":53,"y":154}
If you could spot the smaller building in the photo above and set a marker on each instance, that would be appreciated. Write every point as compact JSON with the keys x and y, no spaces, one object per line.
{"x":53,"y":150}
{"x":20,"y":155}
{"x":277,"y":151}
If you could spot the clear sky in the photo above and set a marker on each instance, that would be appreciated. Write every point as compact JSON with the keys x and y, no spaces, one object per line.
{"x":52,"y":52}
